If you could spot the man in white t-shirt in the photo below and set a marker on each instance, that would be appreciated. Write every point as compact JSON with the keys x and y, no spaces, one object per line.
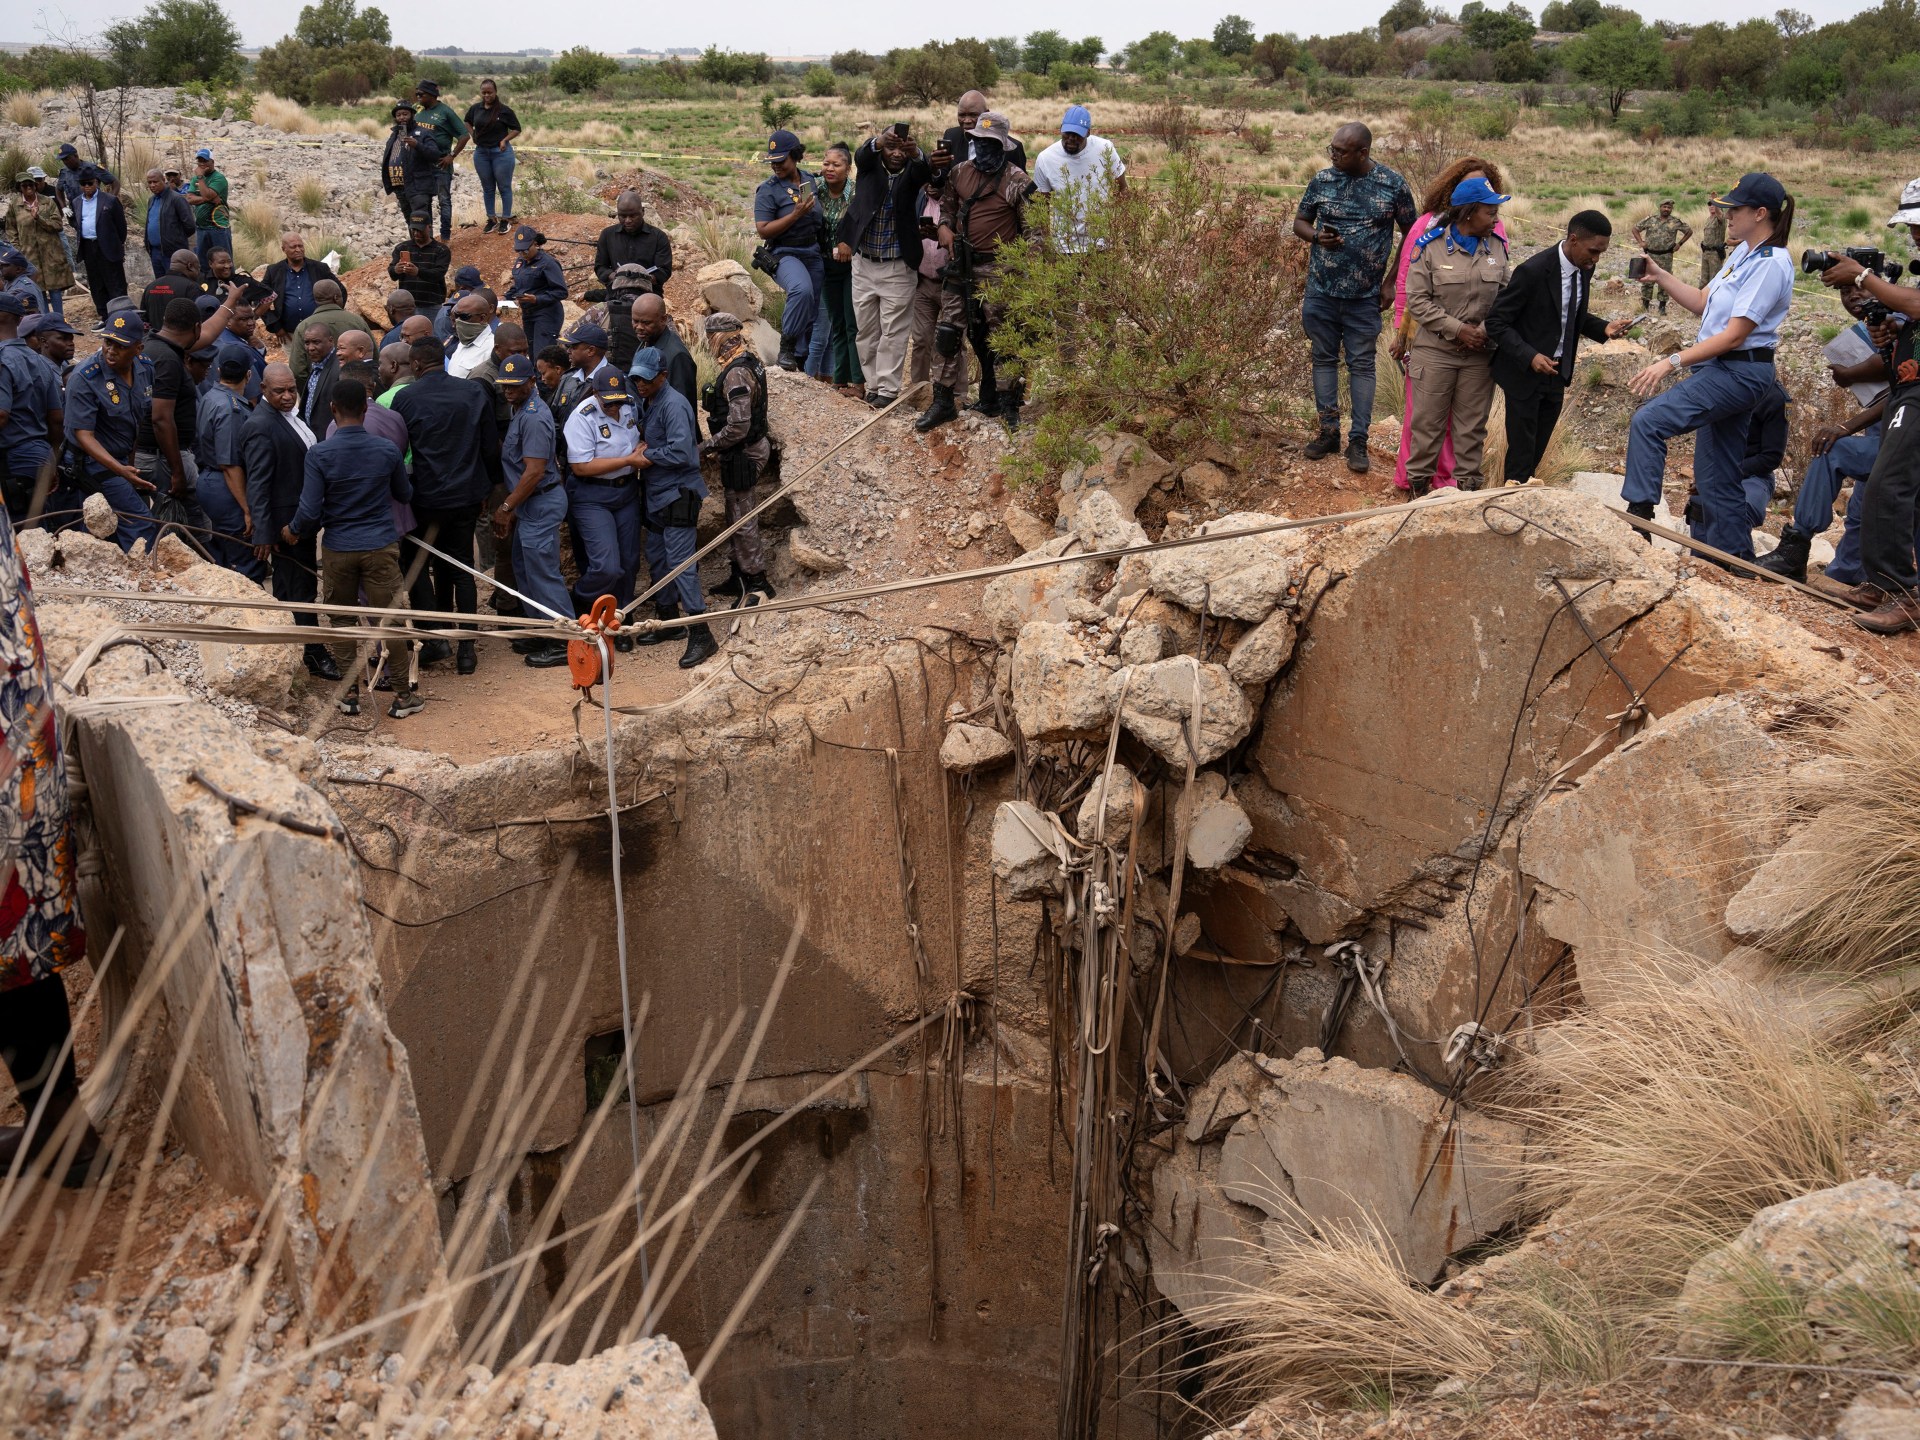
{"x":1079,"y":168}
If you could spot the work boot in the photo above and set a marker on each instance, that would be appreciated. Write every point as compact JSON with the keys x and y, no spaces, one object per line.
{"x":47,"y":1137}
{"x":664,"y":611}
{"x":939,"y":412}
{"x":546,"y":654}
{"x":1322,"y":445}
{"x":623,"y":642}
{"x":524,"y":647}
{"x":700,"y":646}
{"x":788,"y":360}
{"x":755,"y":588}
{"x":1421,"y":489}
{"x":987,"y":403}
{"x":469,"y":658}
{"x":1010,"y":415}
{"x":1357,"y":460}
{"x":320,"y":663}
{"x":1790,"y":557}
{"x":1644,"y":510}
{"x":1895,"y":615}
{"x":1864,"y":596}
{"x":432,"y":652}
{"x":350,"y":702}
{"x":408,"y":701}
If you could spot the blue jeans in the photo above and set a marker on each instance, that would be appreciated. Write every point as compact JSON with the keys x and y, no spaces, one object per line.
{"x":666,"y":549}
{"x":1714,"y":402}
{"x":1849,"y":458}
{"x":57,"y":302}
{"x":536,"y":549}
{"x":443,"y":187}
{"x":819,"y":356}
{"x":130,"y":507}
{"x":1331,"y":325}
{"x":231,"y":544}
{"x":159,"y":259}
{"x":801,"y":274}
{"x":494,"y":166}
{"x":606,"y":518}
{"x":206,"y":240}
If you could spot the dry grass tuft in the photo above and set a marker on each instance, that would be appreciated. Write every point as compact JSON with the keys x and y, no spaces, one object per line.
{"x":258,"y":220}
{"x":1860,"y":863}
{"x":312,"y":196}
{"x":1331,"y":1316}
{"x":287,"y":115}
{"x":23,"y":110}
{"x":1662,"y":1123}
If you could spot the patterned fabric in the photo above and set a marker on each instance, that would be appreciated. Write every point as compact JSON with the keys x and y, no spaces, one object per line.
{"x":832,"y":207}
{"x":1713,"y":234}
{"x":881,"y":242}
{"x":1662,"y":236}
{"x":39,"y":916}
{"x":1366,"y":210}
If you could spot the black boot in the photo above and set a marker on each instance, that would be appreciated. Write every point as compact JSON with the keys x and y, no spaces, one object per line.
{"x":320,"y":663}
{"x":788,"y":360}
{"x":432,"y":652}
{"x":756,"y":587}
{"x":1644,"y":510}
{"x":1790,"y":558}
{"x":987,"y":403}
{"x":939,"y":412}
{"x":468,"y":659}
{"x":1322,"y":445}
{"x":700,"y":646}
{"x":734,"y":584}
{"x":663,"y":611}
{"x":546,"y":654}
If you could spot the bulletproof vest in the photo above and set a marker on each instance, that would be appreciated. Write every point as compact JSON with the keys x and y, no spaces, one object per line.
{"x":714,"y":398}
{"x":565,"y":402}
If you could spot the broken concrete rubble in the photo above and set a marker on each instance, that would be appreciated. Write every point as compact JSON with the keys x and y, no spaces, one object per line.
{"x":1159,"y":710}
{"x":969,"y":748}
{"x":1046,"y":593}
{"x":1028,"y":855}
{"x":259,"y":674}
{"x":1242,"y":579}
{"x":1063,"y":683}
{"x":1113,"y":795}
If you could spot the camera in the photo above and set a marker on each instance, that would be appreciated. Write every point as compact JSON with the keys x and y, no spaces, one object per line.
{"x":1815,"y":262}
{"x":764,"y":262}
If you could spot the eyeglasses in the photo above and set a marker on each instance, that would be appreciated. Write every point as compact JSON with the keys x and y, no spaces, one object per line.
{"x":1334,"y":152}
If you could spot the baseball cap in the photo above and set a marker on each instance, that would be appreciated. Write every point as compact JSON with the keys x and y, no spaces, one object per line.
{"x":125,"y":327}
{"x":234,"y":367}
{"x":68,"y":150}
{"x":516,"y":370}
{"x":1909,"y":211}
{"x":992,"y":125}
{"x":781,"y":144}
{"x":588,"y":334}
{"x":44,"y":325}
{"x":207,"y":304}
{"x":648,"y":363}
{"x":34,"y":172}
{"x":525,"y":238}
{"x":203,"y":154}
{"x":467,"y":277}
{"x":1078,"y":121}
{"x":1476,"y":192}
{"x":11,"y":256}
{"x":721,"y":321}
{"x":11,"y":304}
{"x":171,"y":170}
{"x":611,"y":385}
{"x":1756,"y":187}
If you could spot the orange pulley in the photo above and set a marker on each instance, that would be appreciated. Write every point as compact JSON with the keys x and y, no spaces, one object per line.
{"x":584,"y":656}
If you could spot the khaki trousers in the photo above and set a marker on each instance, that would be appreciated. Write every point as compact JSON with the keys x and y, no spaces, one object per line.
{"x":926,"y":314}
{"x":883,"y":319}
{"x":344,"y":574}
{"x":1448,"y":384}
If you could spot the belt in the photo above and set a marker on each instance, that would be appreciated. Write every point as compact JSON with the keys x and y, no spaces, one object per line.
{"x":1764,"y":357}
{"x":878,"y":259}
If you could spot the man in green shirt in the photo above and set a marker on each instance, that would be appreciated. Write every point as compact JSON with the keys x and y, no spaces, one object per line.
{"x":212,"y":223}
{"x":451,"y":131}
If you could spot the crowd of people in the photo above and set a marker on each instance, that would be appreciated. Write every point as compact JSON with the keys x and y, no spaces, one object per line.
{"x":1468,"y":321}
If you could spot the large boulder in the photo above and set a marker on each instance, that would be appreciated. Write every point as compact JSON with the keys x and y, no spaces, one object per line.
{"x":259,"y":674}
{"x":728,"y":285}
{"x":1159,"y":709}
{"x":1046,"y":592}
{"x":640,"y":1391}
{"x":1029,"y":856}
{"x":1124,"y":468}
{"x":1242,"y":579}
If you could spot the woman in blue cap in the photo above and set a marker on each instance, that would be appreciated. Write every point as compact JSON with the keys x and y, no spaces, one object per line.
{"x":1459,"y":268}
{"x":1731,"y":360}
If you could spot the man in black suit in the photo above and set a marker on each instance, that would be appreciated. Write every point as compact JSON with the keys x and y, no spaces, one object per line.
{"x":273,"y":453}
{"x":1535,"y":328}
{"x":101,"y":223}
{"x":292,"y":280}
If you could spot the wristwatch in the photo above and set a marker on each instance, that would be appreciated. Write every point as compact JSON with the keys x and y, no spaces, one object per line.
{"x":1675,"y":361}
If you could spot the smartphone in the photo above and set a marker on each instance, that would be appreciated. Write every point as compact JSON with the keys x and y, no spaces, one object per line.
{"x":900,"y":129}
{"x":1637,"y":268}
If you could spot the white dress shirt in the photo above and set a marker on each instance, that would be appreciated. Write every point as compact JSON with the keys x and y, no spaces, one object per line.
{"x":471,"y":356}
{"x":1569,"y":291}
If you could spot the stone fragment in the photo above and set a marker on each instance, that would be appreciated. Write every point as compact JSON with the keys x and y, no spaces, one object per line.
{"x":1098,"y":524}
{"x":1636,"y":862}
{"x":968,"y":748}
{"x":1881,"y":1412}
{"x":68,"y":1344}
{"x":766,"y":344}
{"x":1205,"y":482}
{"x":185,"y":1349}
{"x":1784,"y":889}
{"x":1204,"y":1247}
{"x":1042,"y":593}
{"x":1063,"y":686}
{"x":1605,"y":488}
{"x":1186,"y":933}
{"x":1160,"y":703}
{"x":1027,"y":854}
{"x":1218,"y":835}
{"x":1125,"y":467}
{"x":260,"y":674}
{"x":174,"y":554}
{"x":728,"y":285}
{"x":640,"y":1391}
{"x":1029,"y":531}
{"x":1243,"y":579}
{"x":98,"y":514}
{"x":812,"y":558}
{"x":1119,"y":788}
{"x":1259,"y":655}
{"x":1144,"y":644}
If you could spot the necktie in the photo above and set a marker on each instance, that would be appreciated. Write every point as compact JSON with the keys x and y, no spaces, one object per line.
{"x":1569,"y":336}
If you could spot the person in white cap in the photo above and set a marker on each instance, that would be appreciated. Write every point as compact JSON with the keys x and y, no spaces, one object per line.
{"x":1890,"y":595}
{"x":1083,"y":171}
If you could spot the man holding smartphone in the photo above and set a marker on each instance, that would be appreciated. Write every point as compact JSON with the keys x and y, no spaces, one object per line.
{"x":881,"y":236}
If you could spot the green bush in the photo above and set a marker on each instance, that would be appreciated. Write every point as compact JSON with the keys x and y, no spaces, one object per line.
{"x":580,"y":71}
{"x":432,"y":67}
{"x":1495,"y":123}
{"x":853,"y":62}
{"x":775,"y":113}
{"x":819,"y":82}
{"x":1069,"y":77}
{"x":176,"y":40}
{"x":1035,"y":87}
{"x":733,"y":67}
{"x":337,"y":85}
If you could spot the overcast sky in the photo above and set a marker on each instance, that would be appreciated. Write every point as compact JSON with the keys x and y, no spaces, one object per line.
{"x":783,"y":27}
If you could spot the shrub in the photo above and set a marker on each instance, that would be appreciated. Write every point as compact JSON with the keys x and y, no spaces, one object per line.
{"x":338,"y":85}
{"x":1068,"y":76}
{"x":1189,"y":269}
{"x":311,"y":195}
{"x":22,"y":110}
{"x":733,"y":67}
{"x":432,"y":67}
{"x":1259,"y":139}
{"x":175,"y":41}
{"x":581,"y":70}
{"x":1035,"y":87}
{"x":775,"y":113}
{"x":853,"y":62}
{"x":819,"y":82}
{"x":921,"y":76}
{"x":1493,"y":124}
{"x":1171,"y":123}
{"x":258,"y":221}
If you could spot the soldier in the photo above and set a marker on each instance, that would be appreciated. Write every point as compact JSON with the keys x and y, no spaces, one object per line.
{"x":1660,"y":235}
{"x":33,"y":220}
{"x":736,"y":406}
{"x":1713,"y":243}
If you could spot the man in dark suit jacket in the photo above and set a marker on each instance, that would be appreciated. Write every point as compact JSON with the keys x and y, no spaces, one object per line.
{"x":1535,"y":328}
{"x":104,"y":254}
{"x":323,"y":373}
{"x":169,"y":222}
{"x":300,"y":272}
{"x":881,"y":236}
{"x":273,"y":453}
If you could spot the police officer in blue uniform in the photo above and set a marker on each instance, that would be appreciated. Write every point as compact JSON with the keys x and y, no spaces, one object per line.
{"x":1731,"y":362}
{"x":670,"y":474}
{"x":602,"y":441}
{"x":221,"y":485}
{"x":535,"y":505}
{"x":787,"y":219}
{"x":539,"y":286}
{"x":108,"y":398}
{"x":30,"y":402}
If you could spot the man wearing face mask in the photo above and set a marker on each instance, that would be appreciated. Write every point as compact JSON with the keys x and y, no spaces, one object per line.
{"x":472,"y":341}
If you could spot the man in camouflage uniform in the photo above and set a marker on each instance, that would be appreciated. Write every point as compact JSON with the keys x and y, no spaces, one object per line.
{"x":1660,"y":235}
{"x":1713,"y":243}
{"x":737,"y":439}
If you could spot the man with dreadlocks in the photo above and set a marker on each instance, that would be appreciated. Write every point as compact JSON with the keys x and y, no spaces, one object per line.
{"x":736,"y":406}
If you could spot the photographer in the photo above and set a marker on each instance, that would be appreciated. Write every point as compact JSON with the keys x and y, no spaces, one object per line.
{"x":410,"y":167}
{"x":882,"y":234}
{"x":786,"y":216}
{"x":1732,"y":368}
{"x":1888,"y":511}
